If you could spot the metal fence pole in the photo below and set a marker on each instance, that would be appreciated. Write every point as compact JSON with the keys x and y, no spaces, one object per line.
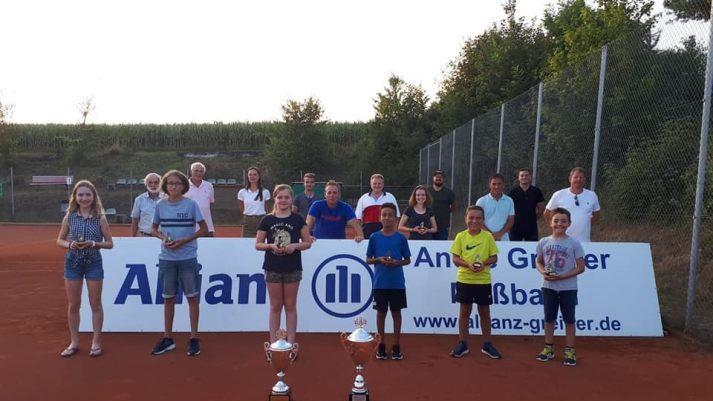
{"x":12,"y":191}
{"x":428,"y":160}
{"x":702,"y":159}
{"x":440,"y":152}
{"x":537,"y":134}
{"x":500,"y":141}
{"x":470,"y":169}
{"x":420,"y":165}
{"x":598,"y":122}
{"x":453,"y":158}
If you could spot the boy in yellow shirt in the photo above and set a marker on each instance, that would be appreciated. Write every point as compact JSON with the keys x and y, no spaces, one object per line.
{"x":473,"y":251}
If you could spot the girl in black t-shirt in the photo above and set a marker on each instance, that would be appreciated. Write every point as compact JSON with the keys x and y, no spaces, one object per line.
{"x":279,"y":235}
{"x":418,"y":219}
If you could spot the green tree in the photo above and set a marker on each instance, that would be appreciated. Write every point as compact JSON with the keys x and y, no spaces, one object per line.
{"x":7,"y":140}
{"x":689,"y":9}
{"x":498,"y":64}
{"x":399,"y":129}
{"x":299,"y":143}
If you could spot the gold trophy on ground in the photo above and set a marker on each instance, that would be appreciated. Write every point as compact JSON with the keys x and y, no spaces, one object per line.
{"x":360,"y":346}
{"x":281,"y":354}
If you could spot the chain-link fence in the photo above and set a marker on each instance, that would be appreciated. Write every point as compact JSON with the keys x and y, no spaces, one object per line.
{"x":646,"y":155}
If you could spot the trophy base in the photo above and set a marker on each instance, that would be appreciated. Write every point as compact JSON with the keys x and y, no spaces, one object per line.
{"x":359,"y":396}
{"x":280,"y":397}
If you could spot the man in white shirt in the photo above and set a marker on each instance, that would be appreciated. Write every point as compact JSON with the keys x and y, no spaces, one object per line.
{"x":202,"y":192}
{"x":582,"y":204}
{"x":499,"y":209}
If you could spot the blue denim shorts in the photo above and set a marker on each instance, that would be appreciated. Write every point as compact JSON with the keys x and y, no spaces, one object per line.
{"x":565,"y":301}
{"x":78,"y":268}
{"x":171,"y":273}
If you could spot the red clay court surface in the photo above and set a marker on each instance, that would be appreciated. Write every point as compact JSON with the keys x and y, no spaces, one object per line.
{"x":232,"y":366}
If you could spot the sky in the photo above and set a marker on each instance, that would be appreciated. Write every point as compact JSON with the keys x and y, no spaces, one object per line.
{"x":157,"y":61}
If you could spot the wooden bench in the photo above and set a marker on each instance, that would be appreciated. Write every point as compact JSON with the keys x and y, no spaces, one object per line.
{"x":52,"y":180}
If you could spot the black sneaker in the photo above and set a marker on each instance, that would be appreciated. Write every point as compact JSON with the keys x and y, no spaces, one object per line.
{"x":381,"y":352}
{"x":194,"y":347}
{"x":489,"y":350}
{"x":396,"y":353}
{"x":460,"y":350}
{"x":166,"y":344}
{"x":570,"y":358}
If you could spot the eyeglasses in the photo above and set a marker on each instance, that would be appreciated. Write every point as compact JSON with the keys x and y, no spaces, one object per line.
{"x":576,"y":200}
{"x":180,"y":184}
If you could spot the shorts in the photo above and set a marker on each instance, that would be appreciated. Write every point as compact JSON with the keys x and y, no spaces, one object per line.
{"x":370,"y":228}
{"x":172,"y":273}
{"x":277,"y":277}
{"x":481,"y":294}
{"x":89,"y":267}
{"x":523,"y":235}
{"x":385,"y":299}
{"x":565,"y":301}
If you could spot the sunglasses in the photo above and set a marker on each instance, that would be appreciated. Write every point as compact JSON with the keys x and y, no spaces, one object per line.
{"x":576,"y":200}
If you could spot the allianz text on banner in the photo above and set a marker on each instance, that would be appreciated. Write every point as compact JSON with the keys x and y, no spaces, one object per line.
{"x":617,"y":292}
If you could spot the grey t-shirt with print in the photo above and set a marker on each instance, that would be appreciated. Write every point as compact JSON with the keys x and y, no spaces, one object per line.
{"x":562,"y":254}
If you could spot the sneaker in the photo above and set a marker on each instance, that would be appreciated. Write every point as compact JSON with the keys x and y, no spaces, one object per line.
{"x":546,"y":354}
{"x":460,"y":350}
{"x":489,"y":350}
{"x":194,"y":347}
{"x":396,"y":353}
{"x":166,"y":344}
{"x":381,"y":352}
{"x":570,"y":359}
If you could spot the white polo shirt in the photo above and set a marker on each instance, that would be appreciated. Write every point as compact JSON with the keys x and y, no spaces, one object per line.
{"x":497,"y":212}
{"x":581,"y":226}
{"x":253,"y":207}
{"x":204,"y":195}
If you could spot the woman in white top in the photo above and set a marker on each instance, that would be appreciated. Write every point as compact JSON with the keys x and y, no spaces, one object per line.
{"x":252,"y":202}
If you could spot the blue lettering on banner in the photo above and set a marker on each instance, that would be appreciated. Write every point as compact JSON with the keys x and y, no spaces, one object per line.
{"x":220,"y":291}
{"x":443,"y":259}
{"x":341,"y":285}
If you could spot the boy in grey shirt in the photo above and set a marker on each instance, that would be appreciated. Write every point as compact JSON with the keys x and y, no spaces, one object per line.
{"x":560,"y":259}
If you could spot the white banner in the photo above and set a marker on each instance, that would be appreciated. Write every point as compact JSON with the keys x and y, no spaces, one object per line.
{"x":617,"y":292}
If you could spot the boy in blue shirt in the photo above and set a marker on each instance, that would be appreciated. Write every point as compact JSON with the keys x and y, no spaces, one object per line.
{"x":388,"y":251}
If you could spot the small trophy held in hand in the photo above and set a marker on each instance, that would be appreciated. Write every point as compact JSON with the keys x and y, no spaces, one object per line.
{"x":550,"y":270}
{"x":477,"y":264}
{"x":167,"y":239}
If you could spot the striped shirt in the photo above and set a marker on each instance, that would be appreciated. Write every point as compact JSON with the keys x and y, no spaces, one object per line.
{"x":178,"y":220}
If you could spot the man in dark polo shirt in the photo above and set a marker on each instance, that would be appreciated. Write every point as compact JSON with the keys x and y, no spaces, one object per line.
{"x":529,"y":205}
{"x":444,"y":202}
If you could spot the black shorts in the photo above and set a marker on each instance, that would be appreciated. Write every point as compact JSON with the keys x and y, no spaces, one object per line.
{"x":394,"y":299}
{"x":565,"y":301}
{"x":523,"y":235}
{"x":481,"y":294}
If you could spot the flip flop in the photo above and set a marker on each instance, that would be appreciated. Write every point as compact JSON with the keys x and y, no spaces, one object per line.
{"x":95,"y":352}
{"x":69,"y":351}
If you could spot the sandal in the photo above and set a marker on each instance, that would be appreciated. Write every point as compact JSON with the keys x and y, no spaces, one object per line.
{"x":95,"y":352}
{"x":69,"y":351}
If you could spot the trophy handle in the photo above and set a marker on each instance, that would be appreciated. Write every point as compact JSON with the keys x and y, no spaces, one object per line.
{"x":268,"y":353}
{"x":293,"y":353}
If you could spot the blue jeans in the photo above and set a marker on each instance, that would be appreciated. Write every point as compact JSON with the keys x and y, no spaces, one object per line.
{"x":171,"y":272}
{"x":78,"y":268}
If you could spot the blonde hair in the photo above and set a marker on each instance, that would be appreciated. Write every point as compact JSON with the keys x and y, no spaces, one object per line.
{"x":97,"y":209}
{"x":279,"y":188}
{"x":377,"y":175}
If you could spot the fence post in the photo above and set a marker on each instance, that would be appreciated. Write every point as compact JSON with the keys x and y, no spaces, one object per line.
{"x":440,"y":152}
{"x":500,"y":141}
{"x":598,"y":122}
{"x":428,"y":159}
{"x":702,"y":159}
{"x":453,"y":158}
{"x":12,"y":191}
{"x":420,"y":165}
{"x":537,"y":134}
{"x":470,"y":169}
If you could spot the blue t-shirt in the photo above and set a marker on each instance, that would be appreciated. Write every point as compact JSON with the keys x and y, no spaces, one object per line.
{"x":179,"y":221}
{"x":329,"y":223}
{"x":395,"y":246}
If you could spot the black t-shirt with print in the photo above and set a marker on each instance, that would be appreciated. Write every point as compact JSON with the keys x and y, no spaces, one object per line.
{"x":282,"y":231}
{"x":416,"y":220}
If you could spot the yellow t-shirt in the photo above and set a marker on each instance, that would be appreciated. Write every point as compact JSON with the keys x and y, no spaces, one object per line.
{"x":468,"y":247}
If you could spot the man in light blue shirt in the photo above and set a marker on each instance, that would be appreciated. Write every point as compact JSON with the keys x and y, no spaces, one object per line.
{"x":499,"y":209}
{"x":144,"y":206}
